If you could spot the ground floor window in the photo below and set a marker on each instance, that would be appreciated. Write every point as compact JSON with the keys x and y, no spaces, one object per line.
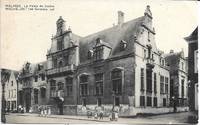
{"x":149,"y":102}
{"x":84,"y":102}
{"x":142,"y":100}
{"x":155,"y":101}
{"x":164,"y":102}
{"x":99,"y":102}
{"x":36,"y":96}
{"x":117,"y":102}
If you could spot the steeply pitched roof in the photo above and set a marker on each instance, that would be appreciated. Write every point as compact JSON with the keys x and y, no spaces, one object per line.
{"x":193,"y":35}
{"x":113,"y":37}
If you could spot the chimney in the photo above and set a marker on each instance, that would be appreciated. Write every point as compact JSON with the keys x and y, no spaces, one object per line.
{"x":120,"y":17}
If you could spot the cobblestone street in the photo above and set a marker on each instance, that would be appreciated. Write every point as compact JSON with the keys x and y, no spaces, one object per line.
{"x":175,"y":118}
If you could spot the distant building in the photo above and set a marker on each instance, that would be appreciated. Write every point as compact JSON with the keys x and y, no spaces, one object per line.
{"x":119,"y":68}
{"x":192,"y":40}
{"x":178,"y":78}
{"x":32,"y":87}
{"x":11,"y":87}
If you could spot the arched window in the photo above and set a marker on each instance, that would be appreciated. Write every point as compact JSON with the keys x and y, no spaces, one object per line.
{"x":116,"y":76}
{"x":83,"y":85}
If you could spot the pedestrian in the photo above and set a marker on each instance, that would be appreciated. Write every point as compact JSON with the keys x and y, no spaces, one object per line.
{"x":42,"y":111}
{"x":45,"y":111}
{"x":95,"y":115}
{"x":101,"y":115}
{"x":116,"y":116}
{"x":49,"y":111}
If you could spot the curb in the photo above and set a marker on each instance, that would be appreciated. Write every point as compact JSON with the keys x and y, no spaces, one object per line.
{"x":36,"y":115}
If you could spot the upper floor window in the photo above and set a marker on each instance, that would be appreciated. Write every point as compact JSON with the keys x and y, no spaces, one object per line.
{"x":42,"y":77}
{"x":161,"y":84}
{"x":142,"y":78}
{"x":166,"y":84}
{"x":36,"y":78}
{"x":36,"y":96}
{"x":196,"y":61}
{"x":155,"y":82}
{"x":60,"y":44}
{"x":182,"y":65}
{"x":55,"y":63}
{"x":84,"y":85}
{"x":60,"y":86}
{"x":182,"y":88}
{"x":148,"y":36}
{"x":11,"y":83}
{"x":90,"y":54}
{"x":116,"y":76}
{"x":123,"y":45}
{"x":52,"y":88}
{"x":99,"y":83}
{"x":98,"y":53}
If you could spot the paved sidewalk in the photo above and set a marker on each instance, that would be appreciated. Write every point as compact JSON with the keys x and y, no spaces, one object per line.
{"x":73,"y":117}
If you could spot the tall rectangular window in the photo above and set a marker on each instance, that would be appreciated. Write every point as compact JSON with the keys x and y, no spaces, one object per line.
{"x":142,"y":79}
{"x":162,"y":84}
{"x":142,"y":100}
{"x":196,"y":61}
{"x":99,"y":102}
{"x":155,"y":83}
{"x":69,"y":84}
{"x":149,"y":101}
{"x":53,"y":88}
{"x":182,"y":88}
{"x":99,"y":83}
{"x":60,"y":44}
{"x":116,"y":77}
{"x":36,"y":78}
{"x":98,"y":53}
{"x":149,"y":80}
{"x":155,"y":102}
{"x":166,"y":85}
{"x":36,"y":96}
{"x":164,"y":102}
{"x":55,"y":63}
{"x":84,"y":85}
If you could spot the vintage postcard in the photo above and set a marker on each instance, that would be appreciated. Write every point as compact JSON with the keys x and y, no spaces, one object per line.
{"x":97,"y":61}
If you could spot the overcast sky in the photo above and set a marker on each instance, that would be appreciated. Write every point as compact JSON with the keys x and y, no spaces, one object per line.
{"x":26,"y":35}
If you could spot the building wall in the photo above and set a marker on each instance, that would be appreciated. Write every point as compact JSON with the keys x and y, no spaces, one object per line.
{"x":192,"y":76}
{"x":11,"y":92}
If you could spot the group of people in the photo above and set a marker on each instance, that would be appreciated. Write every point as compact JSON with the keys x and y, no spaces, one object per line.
{"x":44,"y":111}
{"x":113,"y":116}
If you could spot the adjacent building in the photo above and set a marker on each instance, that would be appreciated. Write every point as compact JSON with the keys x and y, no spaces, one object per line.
{"x":178,"y":78}
{"x":192,"y":40}
{"x":11,"y":88}
{"x":32,"y":86}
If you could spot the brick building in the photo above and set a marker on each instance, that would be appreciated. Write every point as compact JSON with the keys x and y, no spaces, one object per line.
{"x":192,"y":40}
{"x":119,"y":68}
{"x":178,"y":78}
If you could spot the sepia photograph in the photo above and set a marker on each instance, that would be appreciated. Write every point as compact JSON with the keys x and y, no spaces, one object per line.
{"x":99,"y":62}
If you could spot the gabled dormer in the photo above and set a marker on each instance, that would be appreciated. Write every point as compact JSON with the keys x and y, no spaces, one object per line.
{"x":101,"y":50}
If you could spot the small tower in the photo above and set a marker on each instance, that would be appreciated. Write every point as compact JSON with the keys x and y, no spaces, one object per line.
{"x":60,"y":26}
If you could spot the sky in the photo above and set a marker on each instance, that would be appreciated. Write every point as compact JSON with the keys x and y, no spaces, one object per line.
{"x":26,"y":35}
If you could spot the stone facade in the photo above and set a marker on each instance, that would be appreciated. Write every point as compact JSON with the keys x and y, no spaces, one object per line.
{"x":193,"y":69}
{"x":119,"y":68}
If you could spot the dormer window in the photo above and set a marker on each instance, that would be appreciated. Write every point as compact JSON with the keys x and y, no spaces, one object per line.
{"x":101,"y":50}
{"x":123,"y":45}
{"x":90,"y":54}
